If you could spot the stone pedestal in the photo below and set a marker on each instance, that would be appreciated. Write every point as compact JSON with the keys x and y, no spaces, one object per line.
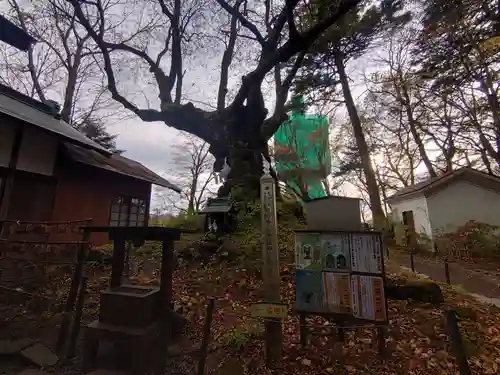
{"x":129,"y":306}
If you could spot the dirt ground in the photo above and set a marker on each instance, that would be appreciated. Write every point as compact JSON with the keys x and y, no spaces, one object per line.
{"x":481,"y":278}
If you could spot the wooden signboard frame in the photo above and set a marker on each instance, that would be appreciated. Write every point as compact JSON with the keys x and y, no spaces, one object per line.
{"x":315,"y":265}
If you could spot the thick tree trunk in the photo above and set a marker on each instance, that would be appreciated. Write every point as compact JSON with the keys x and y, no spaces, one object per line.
{"x":245,"y":147}
{"x":246,"y":169}
{"x":371,"y":181}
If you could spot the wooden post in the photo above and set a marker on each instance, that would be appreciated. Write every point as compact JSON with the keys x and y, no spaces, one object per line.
{"x":128,"y":247}
{"x":118,"y":262}
{"x":340,"y":331}
{"x":412,"y":262}
{"x":75,"y":330}
{"x":456,"y":342}
{"x":303,"y":331}
{"x":270,"y":267}
{"x":166,"y":275}
{"x":7,"y":186}
{"x":381,"y":334}
{"x":447,"y":271}
{"x":73,"y":291}
{"x":206,"y":336}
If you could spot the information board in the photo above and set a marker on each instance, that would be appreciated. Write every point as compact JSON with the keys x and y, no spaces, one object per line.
{"x":340,"y":272}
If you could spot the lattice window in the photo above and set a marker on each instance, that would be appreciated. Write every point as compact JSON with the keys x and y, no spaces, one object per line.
{"x":128,"y":212}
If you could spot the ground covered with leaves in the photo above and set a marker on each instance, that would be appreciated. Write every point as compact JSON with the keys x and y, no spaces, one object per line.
{"x":417,"y":343}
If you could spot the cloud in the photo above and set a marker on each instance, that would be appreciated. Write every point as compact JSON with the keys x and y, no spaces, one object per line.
{"x":149,"y":143}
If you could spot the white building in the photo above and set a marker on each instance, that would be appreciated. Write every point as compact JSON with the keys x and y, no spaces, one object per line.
{"x":444,"y":203}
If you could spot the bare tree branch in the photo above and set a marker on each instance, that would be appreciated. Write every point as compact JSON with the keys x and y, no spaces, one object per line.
{"x":227,"y":58}
{"x":234,"y":11}
{"x":284,"y":53}
{"x":31,"y":64}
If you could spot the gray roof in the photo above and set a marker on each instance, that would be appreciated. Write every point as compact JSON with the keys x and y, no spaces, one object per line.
{"x":217,"y":205}
{"x":17,"y":105}
{"x":80,"y":148}
{"x":431,"y":185}
{"x":117,"y":164}
{"x":14,"y":35}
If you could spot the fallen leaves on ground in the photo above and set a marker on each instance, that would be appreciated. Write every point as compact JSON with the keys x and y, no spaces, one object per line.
{"x":417,"y":341}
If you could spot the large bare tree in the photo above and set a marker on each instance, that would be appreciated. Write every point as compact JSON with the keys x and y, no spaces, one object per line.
{"x":164,"y":32}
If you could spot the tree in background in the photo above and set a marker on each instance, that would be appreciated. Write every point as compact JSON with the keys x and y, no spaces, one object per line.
{"x":96,"y":130}
{"x":394,"y":94}
{"x":61,"y":66}
{"x":193,"y":173}
{"x":327,"y":60}
{"x":429,"y":120}
{"x":450,"y":54}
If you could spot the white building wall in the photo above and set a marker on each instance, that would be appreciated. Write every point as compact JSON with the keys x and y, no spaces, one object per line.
{"x":460,"y":202}
{"x":38,"y":149}
{"x":420,"y":214}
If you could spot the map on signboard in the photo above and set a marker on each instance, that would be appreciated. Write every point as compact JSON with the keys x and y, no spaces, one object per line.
{"x":327,"y":279}
{"x":336,"y":292}
{"x":335,"y":250}
{"x":368,"y":300}
{"x":307,"y":251}
{"x":366,"y":253}
{"x":309,"y":290}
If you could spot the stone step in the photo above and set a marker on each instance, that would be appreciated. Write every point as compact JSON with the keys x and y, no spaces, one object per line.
{"x":8,"y":347}
{"x":40,"y":355}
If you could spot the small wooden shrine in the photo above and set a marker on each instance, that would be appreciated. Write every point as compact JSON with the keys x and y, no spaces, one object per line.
{"x":219,"y":215}
{"x":135,"y":317}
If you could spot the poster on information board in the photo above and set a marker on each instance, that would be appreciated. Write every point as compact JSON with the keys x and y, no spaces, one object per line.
{"x":368,"y":299}
{"x":308,"y":251}
{"x":336,"y":292}
{"x":340,"y":273}
{"x":366,"y":253}
{"x":309,"y":290}
{"x":335,"y":251}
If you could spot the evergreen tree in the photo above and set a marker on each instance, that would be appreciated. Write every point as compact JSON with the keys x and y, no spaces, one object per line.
{"x":95,"y":129}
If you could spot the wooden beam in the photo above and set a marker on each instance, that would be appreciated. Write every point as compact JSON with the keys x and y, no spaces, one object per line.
{"x":147,"y":206}
{"x":118,"y":262}
{"x":7,"y":185}
{"x":166,"y":275}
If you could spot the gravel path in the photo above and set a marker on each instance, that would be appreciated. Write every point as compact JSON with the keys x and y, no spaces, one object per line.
{"x":475,"y":281}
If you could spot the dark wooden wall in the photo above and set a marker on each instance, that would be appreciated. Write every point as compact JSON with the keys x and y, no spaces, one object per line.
{"x":32,"y":197}
{"x":87,"y":192}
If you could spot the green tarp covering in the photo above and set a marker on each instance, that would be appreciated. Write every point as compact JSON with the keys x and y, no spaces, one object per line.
{"x":302,"y":153}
